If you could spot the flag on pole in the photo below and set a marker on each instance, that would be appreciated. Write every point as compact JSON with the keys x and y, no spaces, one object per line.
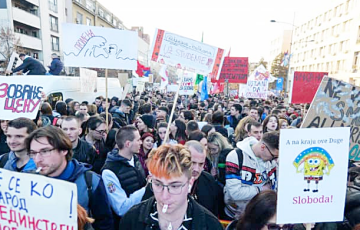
{"x":204,"y":91}
{"x":229,"y":52}
{"x":286,"y":59}
{"x":164,"y":77}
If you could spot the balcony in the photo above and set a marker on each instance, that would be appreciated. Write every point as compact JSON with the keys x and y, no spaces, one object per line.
{"x":29,"y":41}
{"x":34,"y":2}
{"x":26,"y":18}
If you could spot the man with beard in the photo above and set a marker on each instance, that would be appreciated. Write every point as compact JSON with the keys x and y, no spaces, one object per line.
{"x":17,"y":159}
{"x":51,"y":151}
{"x":205,"y":190}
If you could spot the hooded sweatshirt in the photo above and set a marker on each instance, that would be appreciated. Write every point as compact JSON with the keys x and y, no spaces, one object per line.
{"x":243,"y":184}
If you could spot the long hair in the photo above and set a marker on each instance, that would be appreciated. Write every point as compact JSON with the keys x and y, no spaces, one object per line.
{"x":240,"y":130}
{"x":180,"y":132}
{"x":266,"y":121}
{"x":258,"y":211}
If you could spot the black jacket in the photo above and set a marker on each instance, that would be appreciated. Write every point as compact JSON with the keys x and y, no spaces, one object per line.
{"x":84,"y":152}
{"x":138,"y":217}
{"x":31,"y":64}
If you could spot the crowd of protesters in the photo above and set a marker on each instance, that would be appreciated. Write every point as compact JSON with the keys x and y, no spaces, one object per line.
{"x":218,"y":162}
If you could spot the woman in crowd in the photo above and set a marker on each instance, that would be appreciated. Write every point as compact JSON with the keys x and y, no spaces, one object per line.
{"x":241,"y":130}
{"x":73,"y":107}
{"x":177,"y":130}
{"x":218,"y":148}
{"x":271,"y":123}
{"x":146,"y":146}
{"x":92,"y":110}
{"x":161,"y":133}
{"x":260,"y":213}
{"x":208,"y":118}
{"x":145,"y":124}
{"x":4,"y":148}
{"x":46,"y":115}
{"x":283,"y":123}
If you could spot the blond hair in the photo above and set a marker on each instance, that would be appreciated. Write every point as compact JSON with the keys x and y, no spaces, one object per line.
{"x":240,"y":130}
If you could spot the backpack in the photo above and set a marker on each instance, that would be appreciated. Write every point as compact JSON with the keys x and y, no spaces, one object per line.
{"x":88,"y":180}
{"x":222,"y":162}
{"x":4,"y":159}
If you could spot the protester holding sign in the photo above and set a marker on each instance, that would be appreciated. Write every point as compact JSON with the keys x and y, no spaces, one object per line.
{"x":51,"y":150}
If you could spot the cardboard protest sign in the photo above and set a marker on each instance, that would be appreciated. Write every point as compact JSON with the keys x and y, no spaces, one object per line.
{"x":305,"y":85}
{"x":140,"y":86}
{"x":20,"y":96}
{"x":123,"y":79}
{"x":185,"y":53}
{"x":258,"y":83}
{"x":312,"y":162}
{"x":336,"y":105}
{"x":235,"y":69}
{"x":188,"y":83}
{"x":88,"y":81}
{"x":30,"y":201}
{"x":99,"y":47}
{"x":127,"y":90}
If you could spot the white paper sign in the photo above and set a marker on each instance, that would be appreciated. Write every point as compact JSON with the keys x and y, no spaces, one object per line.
{"x":127,"y":90}
{"x":20,"y":96}
{"x":88,"y":81}
{"x":313,"y":167}
{"x":172,"y":88}
{"x":36,"y":202}
{"x":185,"y":53}
{"x":140,"y":86}
{"x":257,"y":89}
{"x":188,"y":82}
{"x":98,"y":47}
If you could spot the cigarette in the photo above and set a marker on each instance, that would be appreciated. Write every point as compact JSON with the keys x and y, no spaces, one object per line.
{"x":164,"y":209}
{"x":38,"y":169}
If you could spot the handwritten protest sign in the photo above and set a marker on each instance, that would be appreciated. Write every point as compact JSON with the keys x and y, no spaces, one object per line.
{"x":336,"y":105}
{"x":258,"y":83}
{"x":185,"y":53}
{"x":20,"y":96}
{"x":235,"y":69}
{"x":98,"y":47}
{"x":305,"y":85}
{"x":88,"y":81}
{"x":312,"y":162}
{"x":123,"y":79}
{"x":30,"y":201}
{"x":188,"y":82}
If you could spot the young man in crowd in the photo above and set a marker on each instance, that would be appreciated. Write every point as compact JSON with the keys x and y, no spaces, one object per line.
{"x":235,"y":115}
{"x":170,"y":207}
{"x":250,"y":171}
{"x":123,"y":174}
{"x":255,"y":129}
{"x":82,"y":150}
{"x":51,"y":150}
{"x":17,"y":159}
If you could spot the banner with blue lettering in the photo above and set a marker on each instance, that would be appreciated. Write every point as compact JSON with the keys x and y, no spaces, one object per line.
{"x":31,"y":201}
{"x":279,"y":83}
{"x":20,"y":96}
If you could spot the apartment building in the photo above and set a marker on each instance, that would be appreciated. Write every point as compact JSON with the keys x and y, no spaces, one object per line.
{"x":280,"y":44}
{"x":36,"y":23}
{"x":330,"y":42}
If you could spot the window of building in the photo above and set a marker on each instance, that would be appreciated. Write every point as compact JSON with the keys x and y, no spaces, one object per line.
{"x":55,"y":43}
{"x":88,"y":21}
{"x":79,"y":18}
{"x":53,"y":6}
{"x":101,"y":12}
{"x":54,"y":23}
{"x":90,"y":5}
{"x":79,"y":1}
{"x":114,"y":22}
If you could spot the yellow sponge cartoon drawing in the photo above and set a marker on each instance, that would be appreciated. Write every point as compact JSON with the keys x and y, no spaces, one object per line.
{"x":313,"y":163}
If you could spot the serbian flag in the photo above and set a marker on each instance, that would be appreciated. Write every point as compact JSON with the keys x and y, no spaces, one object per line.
{"x":142,"y":70}
{"x":164,"y":77}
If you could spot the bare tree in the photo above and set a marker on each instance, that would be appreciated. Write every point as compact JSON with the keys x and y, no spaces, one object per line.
{"x":8,"y":44}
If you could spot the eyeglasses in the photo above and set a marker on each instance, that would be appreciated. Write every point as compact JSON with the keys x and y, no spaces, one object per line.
{"x":273,"y":156}
{"x":174,"y":189}
{"x":101,"y":132}
{"x":213,"y":150}
{"x":42,"y":153}
{"x":278,"y":227}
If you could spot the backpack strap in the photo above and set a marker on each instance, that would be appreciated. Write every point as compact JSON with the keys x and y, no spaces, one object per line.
{"x":88,"y":179}
{"x":240,"y":157}
{"x":4,"y":159}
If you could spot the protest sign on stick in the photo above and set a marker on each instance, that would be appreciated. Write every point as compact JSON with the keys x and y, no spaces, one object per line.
{"x":234,"y":69}
{"x":336,"y":105}
{"x":305,"y":86}
{"x":188,"y":82}
{"x":31,"y":201}
{"x":20,"y":96}
{"x":311,"y":163}
{"x":88,"y":80}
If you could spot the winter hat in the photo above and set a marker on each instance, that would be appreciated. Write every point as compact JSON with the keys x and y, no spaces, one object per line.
{"x":145,"y":135}
{"x":148,"y":120}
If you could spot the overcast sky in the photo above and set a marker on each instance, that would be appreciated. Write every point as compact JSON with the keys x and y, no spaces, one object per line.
{"x":243,"y":25}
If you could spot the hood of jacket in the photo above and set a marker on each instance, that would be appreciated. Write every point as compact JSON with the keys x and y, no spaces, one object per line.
{"x":73,"y":170}
{"x":114,"y":156}
{"x":245,"y":146}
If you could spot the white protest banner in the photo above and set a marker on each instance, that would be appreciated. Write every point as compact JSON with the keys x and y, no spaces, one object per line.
{"x":88,"y":81}
{"x":31,"y":201}
{"x":172,"y":88}
{"x":99,"y":47}
{"x":313,"y":166}
{"x":187,"y":86}
{"x":123,"y":79}
{"x":258,"y":83}
{"x":185,"y":53}
{"x":140,"y":86}
{"x":242,"y":90}
{"x":20,"y":96}
{"x":127,"y":90}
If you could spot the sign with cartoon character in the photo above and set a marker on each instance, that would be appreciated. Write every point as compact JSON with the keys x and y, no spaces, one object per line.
{"x":258,"y":83}
{"x":312,"y":162}
{"x":98,"y":47}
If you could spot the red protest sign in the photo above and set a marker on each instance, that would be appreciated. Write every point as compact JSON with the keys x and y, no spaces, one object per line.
{"x":305,"y":86}
{"x":235,"y":69}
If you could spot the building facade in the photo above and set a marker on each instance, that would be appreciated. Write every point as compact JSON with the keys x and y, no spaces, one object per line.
{"x":36,"y":24}
{"x":330,"y":42}
{"x":280,"y":44}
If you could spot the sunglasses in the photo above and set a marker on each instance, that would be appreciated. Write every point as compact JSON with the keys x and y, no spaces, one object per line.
{"x":278,"y":227}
